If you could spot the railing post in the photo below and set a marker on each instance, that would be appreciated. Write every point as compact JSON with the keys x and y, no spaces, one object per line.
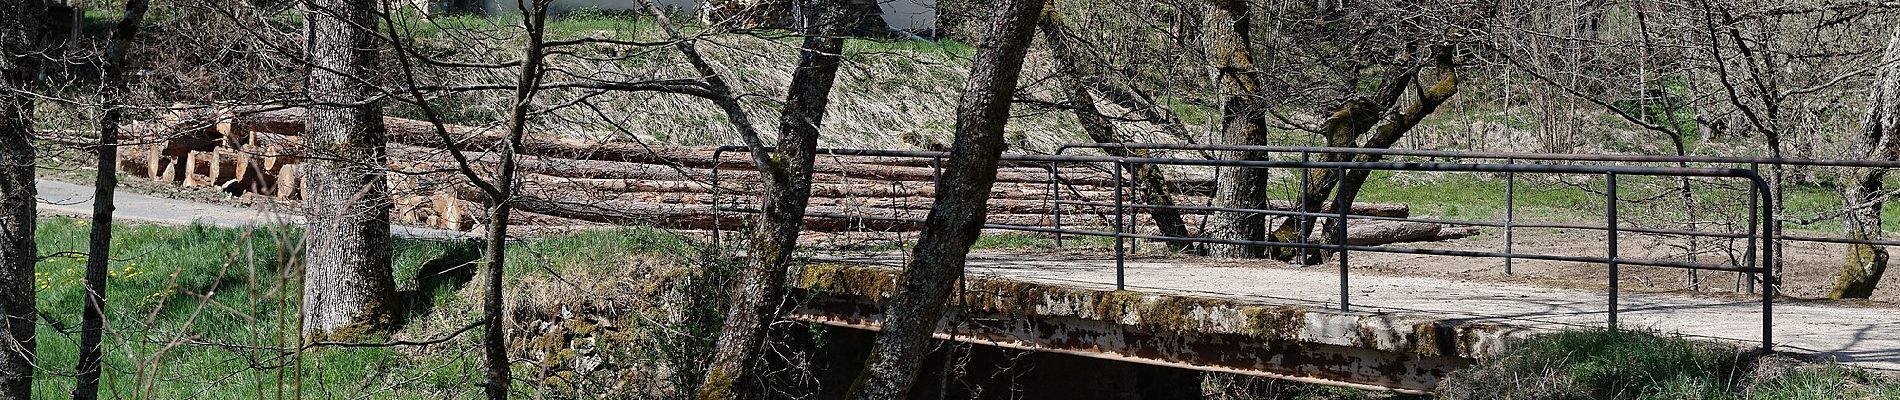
{"x":1510,"y":216}
{"x":1301,"y":221}
{"x":1345,"y":296}
{"x":1611,"y":190}
{"x":1119,"y":254}
{"x":1055,"y":199}
{"x":1741,"y":279}
{"x":1134,"y":243}
{"x":1769,"y":275}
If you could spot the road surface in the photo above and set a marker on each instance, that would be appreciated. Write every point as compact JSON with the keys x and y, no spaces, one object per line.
{"x":62,"y":198}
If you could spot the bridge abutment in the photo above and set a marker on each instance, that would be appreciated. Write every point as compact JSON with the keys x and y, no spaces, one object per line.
{"x":1363,"y":350}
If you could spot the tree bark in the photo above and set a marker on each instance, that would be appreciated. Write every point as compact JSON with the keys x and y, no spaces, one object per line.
{"x":1153,"y":185}
{"x":20,"y":34}
{"x":757,"y":297}
{"x":502,"y":196}
{"x":1347,"y":125}
{"x":957,"y":217}
{"x":1880,"y":139}
{"x":1396,"y":125}
{"x":348,"y":289}
{"x":1243,"y":122}
{"x":105,"y":182}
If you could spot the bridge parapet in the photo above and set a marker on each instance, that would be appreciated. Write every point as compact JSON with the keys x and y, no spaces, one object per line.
{"x":1320,"y":345}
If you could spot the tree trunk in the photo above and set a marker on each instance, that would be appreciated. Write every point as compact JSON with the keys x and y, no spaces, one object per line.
{"x":348,"y":289}
{"x":1242,"y":123}
{"x":757,"y":297}
{"x":1880,"y":139}
{"x":1344,"y":129}
{"x":1396,"y":125}
{"x":1153,"y":185}
{"x":1865,"y":263}
{"x":956,"y":219}
{"x":502,"y":195}
{"x":105,"y":182}
{"x":20,"y":33}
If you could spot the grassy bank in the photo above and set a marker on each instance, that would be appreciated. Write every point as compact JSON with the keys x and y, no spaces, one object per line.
{"x":1605,"y":364}
{"x":210,"y":313}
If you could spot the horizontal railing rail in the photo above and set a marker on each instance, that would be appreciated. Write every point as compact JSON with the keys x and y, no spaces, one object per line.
{"x":1779,"y":240}
{"x":1626,"y":158}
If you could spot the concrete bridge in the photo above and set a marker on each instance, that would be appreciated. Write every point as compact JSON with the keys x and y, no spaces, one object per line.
{"x":1282,"y":321}
{"x":1267,"y":319}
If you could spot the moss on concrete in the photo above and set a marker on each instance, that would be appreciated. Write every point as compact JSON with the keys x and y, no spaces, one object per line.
{"x":1169,"y":313}
{"x":1274,"y":322}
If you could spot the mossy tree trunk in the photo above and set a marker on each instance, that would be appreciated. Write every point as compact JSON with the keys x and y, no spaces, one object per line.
{"x":348,"y":287}
{"x":1148,"y":178}
{"x":757,"y":297}
{"x":1377,"y":115}
{"x":20,"y":33}
{"x":1880,"y":139}
{"x":1242,"y":122}
{"x":105,"y":182}
{"x":956,"y":216}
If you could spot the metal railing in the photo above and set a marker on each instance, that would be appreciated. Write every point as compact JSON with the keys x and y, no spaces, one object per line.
{"x":1510,"y":224}
{"x":1760,"y":208}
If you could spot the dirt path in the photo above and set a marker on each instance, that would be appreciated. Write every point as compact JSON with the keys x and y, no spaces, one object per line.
{"x":1808,"y":269}
{"x":67,"y":199}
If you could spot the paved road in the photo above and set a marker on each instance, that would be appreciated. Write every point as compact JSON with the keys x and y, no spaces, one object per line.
{"x":1862,"y":336}
{"x":61,"y":198}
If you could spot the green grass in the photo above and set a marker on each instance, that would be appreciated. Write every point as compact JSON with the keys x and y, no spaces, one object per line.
{"x":165,"y":341}
{"x":946,"y":48}
{"x":1806,"y":200}
{"x":1605,"y":364}
{"x":1827,"y":382}
{"x":1468,"y":196}
{"x":1037,"y":241}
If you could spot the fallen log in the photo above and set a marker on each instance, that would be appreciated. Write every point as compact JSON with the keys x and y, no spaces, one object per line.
{"x":475,"y":139}
{"x":1374,"y":233}
{"x":702,"y":216}
{"x":1379,"y":233}
{"x":289,"y":183}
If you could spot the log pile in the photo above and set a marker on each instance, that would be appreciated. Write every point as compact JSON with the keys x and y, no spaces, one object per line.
{"x":257,"y":152}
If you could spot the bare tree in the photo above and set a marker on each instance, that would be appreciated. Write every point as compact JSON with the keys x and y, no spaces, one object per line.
{"x":501,"y":193}
{"x":348,"y":287}
{"x":1397,"y":122}
{"x":1243,"y":122}
{"x":105,"y":182}
{"x":496,"y":178}
{"x":1075,"y":80}
{"x":1364,"y":90}
{"x":956,"y":216}
{"x":1879,"y":139}
{"x":757,"y":296}
{"x":1720,"y":70}
{"x":20,"y":41}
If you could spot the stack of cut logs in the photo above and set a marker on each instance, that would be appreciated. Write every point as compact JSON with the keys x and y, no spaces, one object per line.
{"x":568,"y":182}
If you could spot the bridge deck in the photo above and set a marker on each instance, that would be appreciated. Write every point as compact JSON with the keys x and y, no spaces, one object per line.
{"x":1866,"y":336}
